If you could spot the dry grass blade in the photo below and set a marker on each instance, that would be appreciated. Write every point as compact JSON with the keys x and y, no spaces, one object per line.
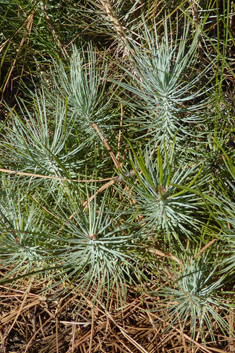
{"x":183,"y":338}
{"x":92,"y":330}
{"x":115,"y":161}
{"x":44,"y":324}
{"x":231,"y":332}
{"x":54,"y":33}
{"x":205,"y":247}
{"x":120,"y":133}
{"x":160,"y":253}
{"x":105,"y":186}
{"x":9,"y":39}
{"x":196,"y":20}
{"x":115,"y":21}
{"x":15,"y":313}
{"x":86,"y":203}
{"x":125,"y":334}
{"x":27,"y":30}
{"x":203,"y":348}
{"x":51,"y":177}
{"x":21,"y":307}
{"x":52,"y":214}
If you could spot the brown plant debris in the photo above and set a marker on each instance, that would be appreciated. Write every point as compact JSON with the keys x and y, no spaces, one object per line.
{"x":67,"y":322}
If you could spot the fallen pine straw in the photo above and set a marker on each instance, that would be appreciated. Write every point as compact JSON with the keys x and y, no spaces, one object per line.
{"x":31,"y":322}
